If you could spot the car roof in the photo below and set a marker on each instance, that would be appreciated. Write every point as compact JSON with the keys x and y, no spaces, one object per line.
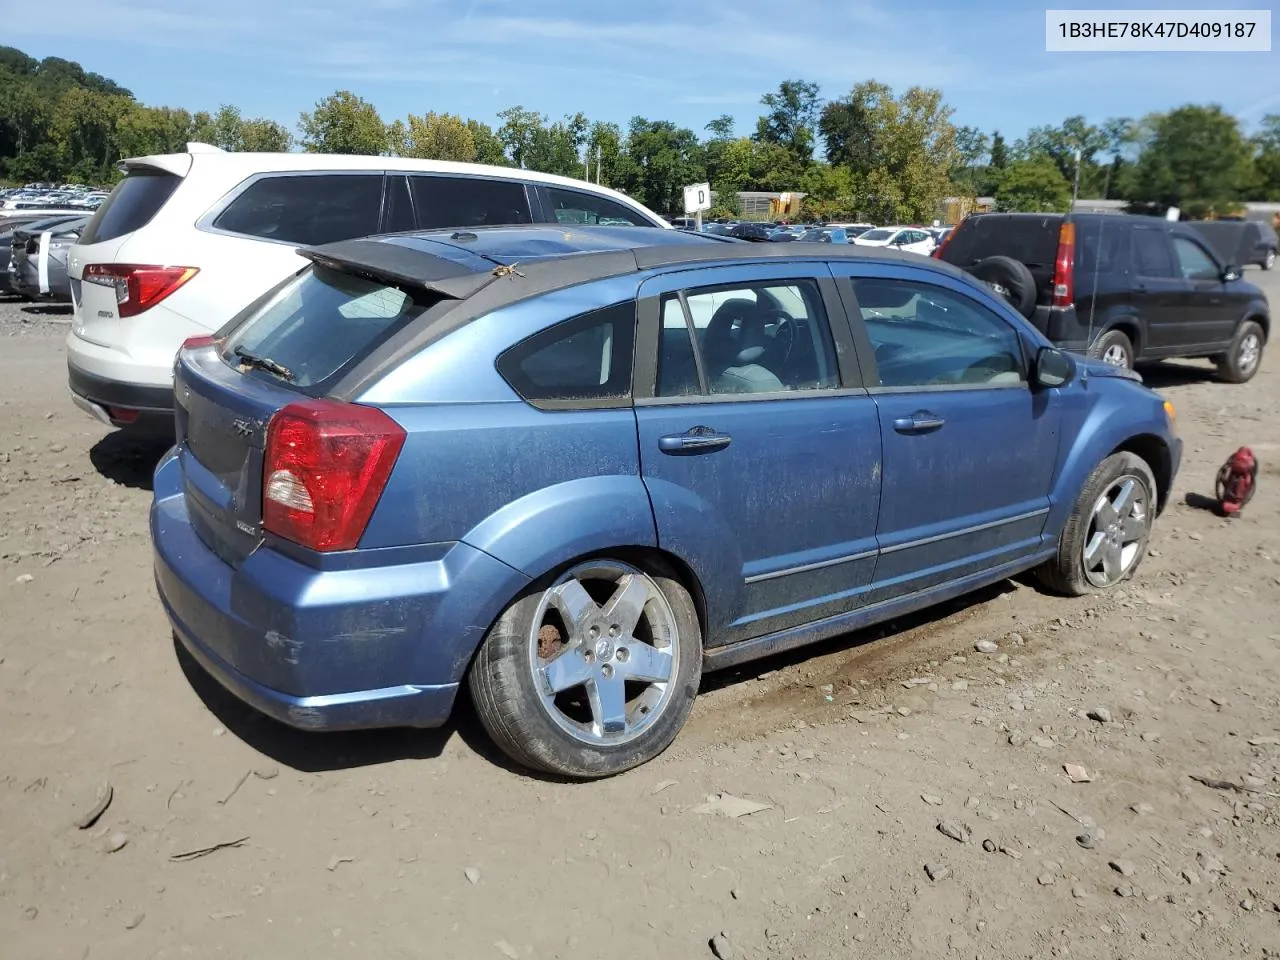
{"x":241,"y":165}
{"x":480,"y":270}
{"x":564,"y":254}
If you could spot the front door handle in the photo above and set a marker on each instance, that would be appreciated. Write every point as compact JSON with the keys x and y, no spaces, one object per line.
{"x":696,"y":440}
{"x":922,"y":421}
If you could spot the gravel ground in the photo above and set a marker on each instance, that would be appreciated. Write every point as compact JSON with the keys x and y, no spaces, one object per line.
{"x":917,"y":802}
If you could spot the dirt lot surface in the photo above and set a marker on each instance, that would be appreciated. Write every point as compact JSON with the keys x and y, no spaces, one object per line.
{"x":873,"y":755}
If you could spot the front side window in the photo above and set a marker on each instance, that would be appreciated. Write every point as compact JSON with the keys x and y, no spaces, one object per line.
{"x":586,"y":209}
{"x":308,"y":210}
{"x":772,"y":337}
{"x":926,"y":336}
{"x":578,"y":361}
{"x":1193,"y":262}
{"x":445,"y":202}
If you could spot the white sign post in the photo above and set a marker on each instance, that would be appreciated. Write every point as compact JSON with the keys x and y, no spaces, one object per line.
{"x":697,"y":197}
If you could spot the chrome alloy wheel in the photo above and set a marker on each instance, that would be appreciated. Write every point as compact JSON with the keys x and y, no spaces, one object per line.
{"x":603,"y":652}
{"x":1116,"y":355}
{"x":1118,"y":532}
{"x":1249,"y":354}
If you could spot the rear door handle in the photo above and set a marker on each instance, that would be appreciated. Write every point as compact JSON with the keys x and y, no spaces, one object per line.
{"x":696,"y":440}
{"x":922,"y":421}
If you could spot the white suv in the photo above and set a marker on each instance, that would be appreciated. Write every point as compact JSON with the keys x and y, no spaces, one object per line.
{"x":188,"y":240}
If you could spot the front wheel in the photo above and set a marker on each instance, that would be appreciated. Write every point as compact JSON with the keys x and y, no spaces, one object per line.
{"x":1241,"y":362}
{"x":591,"y":673}
{"x":1106,"y":536}
{"x":1269,"y":260}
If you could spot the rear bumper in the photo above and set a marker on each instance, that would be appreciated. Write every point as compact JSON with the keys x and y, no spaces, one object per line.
{"x":1063,"y":327}
{"x":115,"y":393}
{"x":332,"y":649}
{"x":120,"y":404}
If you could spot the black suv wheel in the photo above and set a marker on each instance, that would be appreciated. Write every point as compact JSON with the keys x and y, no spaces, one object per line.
{"x":1115,"y":348}
{"x":1241,"y":362}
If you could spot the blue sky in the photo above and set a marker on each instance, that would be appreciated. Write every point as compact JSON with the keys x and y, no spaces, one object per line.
{"x":683,"y":60}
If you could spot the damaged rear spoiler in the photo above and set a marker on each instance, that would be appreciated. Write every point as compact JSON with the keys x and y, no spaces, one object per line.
{"x":452,"y":276}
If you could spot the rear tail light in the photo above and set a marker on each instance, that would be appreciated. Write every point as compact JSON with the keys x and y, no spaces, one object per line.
{"x":325,"y":468}
{"x":123,"y":415}
{"x":137,"y":286}
{"x":1064,"y":266}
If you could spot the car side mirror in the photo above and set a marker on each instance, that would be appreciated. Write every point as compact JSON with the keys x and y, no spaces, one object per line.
{"x":1053,"y":368}
{"x":1231,"y":272}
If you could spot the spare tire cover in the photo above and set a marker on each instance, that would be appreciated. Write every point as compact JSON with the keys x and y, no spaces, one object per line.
{"x":1011,"y":279}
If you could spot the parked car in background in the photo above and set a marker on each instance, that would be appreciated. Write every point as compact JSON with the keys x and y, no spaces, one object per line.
{"x":7,"y":226}
{"x":748,"y":230}
{"x":1121,"y":288}
{"x":825,"y":235}
{"x":38,"y":252}
{"x":187,"y":240}
{"x":910,"y":239}
{"x":1243,"y":242}
{"x":334,"y":546}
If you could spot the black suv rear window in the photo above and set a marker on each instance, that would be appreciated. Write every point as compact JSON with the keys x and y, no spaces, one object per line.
{"x":306,"y":209}
{"x":320,"y":323}
{"x":1031,"y":240}
{"x":132,"y":204}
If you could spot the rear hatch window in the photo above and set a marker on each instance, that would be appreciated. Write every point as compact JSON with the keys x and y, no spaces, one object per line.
{"x":132,"y":204}
{"x":320,"y":324}
{"x":1032,"y":240}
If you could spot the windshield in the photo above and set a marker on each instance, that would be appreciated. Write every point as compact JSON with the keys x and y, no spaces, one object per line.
{"x":320,"y":323}
{"x":877,"y":235}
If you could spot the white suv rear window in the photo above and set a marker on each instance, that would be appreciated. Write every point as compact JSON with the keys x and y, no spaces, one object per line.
{"x":132,"y":204}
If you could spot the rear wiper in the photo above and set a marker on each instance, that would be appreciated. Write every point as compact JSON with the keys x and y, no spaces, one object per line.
{"x":247,"y":359}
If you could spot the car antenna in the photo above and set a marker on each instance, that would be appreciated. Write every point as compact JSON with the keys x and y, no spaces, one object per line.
{"x":1093,"y":293}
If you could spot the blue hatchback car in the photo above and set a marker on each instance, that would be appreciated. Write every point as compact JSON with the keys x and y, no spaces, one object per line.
{"x":573,"y":468}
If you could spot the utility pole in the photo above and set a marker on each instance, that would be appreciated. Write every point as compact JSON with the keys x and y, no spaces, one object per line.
{"x":599,"y":161}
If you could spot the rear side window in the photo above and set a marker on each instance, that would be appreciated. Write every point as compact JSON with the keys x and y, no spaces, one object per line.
{"x":1152,"y":256}
{"x":131,"y":206}
{"x":1031,"y":240}
{"x":585,"y":361}
{"x":306,"y":209}
{"x":1101,"y":245}
{"x":321,"y":323}
{"x":573,"y":206}
{"x":443,"y":202}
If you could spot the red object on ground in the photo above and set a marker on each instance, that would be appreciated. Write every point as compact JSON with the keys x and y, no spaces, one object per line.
{"x":1237,"y":481}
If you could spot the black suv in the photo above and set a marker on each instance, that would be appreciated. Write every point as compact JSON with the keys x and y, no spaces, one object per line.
{"x":1121,"y":288}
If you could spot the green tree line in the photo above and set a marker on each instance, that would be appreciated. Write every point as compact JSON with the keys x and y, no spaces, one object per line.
{"x":873,"y":153}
